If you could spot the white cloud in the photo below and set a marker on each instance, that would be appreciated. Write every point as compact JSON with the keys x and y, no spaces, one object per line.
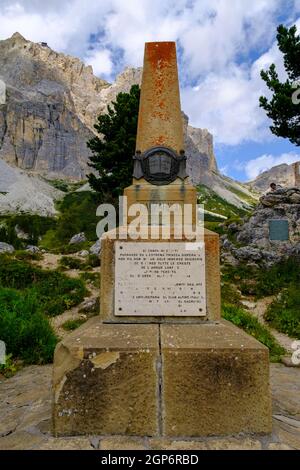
{"x":101,"y":62}
{"x":217,"y":41}
{"x":263,"y":163}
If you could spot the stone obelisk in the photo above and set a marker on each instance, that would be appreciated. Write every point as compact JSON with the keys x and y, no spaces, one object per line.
{"x":159,"y":360}
{"x":160,"y":134}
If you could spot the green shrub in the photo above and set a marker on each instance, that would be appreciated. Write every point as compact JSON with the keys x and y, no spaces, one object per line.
{"x":262,"y":282}
{"x":34,"y":226}
{"x":68,"y":262}
{"x":284,"y":313}
{"x":71,"y":325}
{"x":27,"y":255}
{"x":93,"y":278}
{"x":24,"y":328}
{"x":253,"y":327}
{"x":93,"y":261}
{"x":55,"y":291}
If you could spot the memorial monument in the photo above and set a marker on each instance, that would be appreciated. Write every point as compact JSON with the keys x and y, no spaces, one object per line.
{"x":159,"y":360}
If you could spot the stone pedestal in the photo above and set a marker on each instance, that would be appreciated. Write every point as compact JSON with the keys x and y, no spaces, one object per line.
{"x":160,"y":380}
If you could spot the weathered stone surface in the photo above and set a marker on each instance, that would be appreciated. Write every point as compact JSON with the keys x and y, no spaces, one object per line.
{"x":234,"y":444}
{"x":278,"y":446}
{"x":286,"y":434}
{"x":122,"y":443}
{"x":6,"y":248}
{"x":160,"y":120}
{"x":254,"y":234}
{"x":72,"y":443}
{"x":285,"y":382}
{"x":96,"y":248}
{"x":21,"y":440}
{"x":168,"y":444}
{"x":32,"y":249}
{"x":78,"y":238}
{"x":105,"y":380}
{"x":213,"y":295}
{"x":215,"y":381}
{"x":37,"y":380}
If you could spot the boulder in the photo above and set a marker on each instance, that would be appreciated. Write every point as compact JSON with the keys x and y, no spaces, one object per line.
{"x":78,"y":238}
{"x":96,"y":248}
{"x":32,"y":249}
{"x":6,"y":248}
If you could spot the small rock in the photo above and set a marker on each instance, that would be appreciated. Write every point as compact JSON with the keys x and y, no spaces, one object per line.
{"x":83,"y":253}
{"x":90,"y":306}
{"x":78,"y":238}
{"x":248,"y":304}
{"x":32,"y":249}
{"x":20,"y":233}
{"x":6,"y":248}
{"x":96,"y":248}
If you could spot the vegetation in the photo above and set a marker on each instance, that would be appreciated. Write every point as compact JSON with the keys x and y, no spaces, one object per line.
{"x":263,"y":282}
{"x":69,"y":262}
{"x":253,"y":327}
{"x":71,"y":325}
{"x":114,"y":148}
{"x":77,"y":214}
{"x":34,"y":226}
{"x":24,"y":328}
{"x":54,"y":292}
{"x":65,"y":186}
{"x":284,"y":313}
{"x":282,"y":109}
{"x":91,"y":278}
{"x":214,"y":203}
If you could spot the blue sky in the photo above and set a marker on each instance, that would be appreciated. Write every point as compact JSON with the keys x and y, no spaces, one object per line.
{"x":222,"y":46}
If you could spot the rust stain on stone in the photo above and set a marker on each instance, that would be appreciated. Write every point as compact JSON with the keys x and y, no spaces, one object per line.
{"x":160,"y":121}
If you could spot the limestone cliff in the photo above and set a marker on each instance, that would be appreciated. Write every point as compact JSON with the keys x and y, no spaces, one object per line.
{"x":283,"y":175}
{"x":52,"y":104}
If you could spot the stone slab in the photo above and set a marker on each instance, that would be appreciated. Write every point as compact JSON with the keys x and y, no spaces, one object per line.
{"x":105,"y":380}
{"x":215,"y":381}
{"x":212,"y":275}
{"x":160,"y":279}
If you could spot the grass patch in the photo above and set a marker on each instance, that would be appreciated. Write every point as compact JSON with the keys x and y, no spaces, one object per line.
{"x":263,"y":282}
{"x":69,"y":262}
{"x":284,"y":313}
{"x":214,"y":203}
{"x":28,"y":255}
{"x":71,"y":325}
{"x":24,"y":328}
{"x":251,"y":325}
{"x":91,"y":278}
{"x":54,"y":291}
{"x":66,"y":186}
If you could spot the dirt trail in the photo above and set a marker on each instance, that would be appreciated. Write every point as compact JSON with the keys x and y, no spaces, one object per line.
{"x":258,"y":309}
{"x":51,"y":261}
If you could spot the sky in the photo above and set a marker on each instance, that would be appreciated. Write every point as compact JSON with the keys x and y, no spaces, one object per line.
{"x":222,"y":45}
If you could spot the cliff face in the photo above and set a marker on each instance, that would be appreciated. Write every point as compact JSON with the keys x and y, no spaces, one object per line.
{"x":46,"y":120}
{"x":283,"y":175}
{"x":52,"y":101}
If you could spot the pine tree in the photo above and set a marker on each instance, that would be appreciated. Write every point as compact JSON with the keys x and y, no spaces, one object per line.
{"x":114,"y":148}
{"x":284,"y":107}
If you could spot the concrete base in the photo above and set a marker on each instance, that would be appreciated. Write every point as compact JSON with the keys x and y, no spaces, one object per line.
{"x":160,"y":380}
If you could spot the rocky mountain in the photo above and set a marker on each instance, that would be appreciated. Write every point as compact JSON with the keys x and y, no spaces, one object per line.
{"x":283,"y":175}
{"x":52,"y":101}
